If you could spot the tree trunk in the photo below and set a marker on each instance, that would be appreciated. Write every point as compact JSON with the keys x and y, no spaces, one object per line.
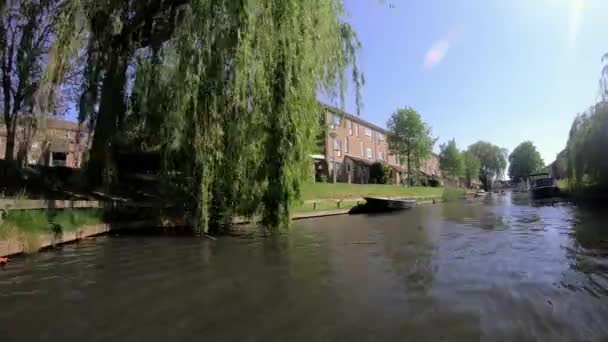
{"x":112,"y":107}
{"x":11,"y":127}
{"x":409,"y":169}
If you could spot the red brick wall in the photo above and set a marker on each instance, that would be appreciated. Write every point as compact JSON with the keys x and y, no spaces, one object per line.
{"x":358,"y":144}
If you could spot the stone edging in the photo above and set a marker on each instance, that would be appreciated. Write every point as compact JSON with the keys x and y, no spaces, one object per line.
{"x":14,"y":246}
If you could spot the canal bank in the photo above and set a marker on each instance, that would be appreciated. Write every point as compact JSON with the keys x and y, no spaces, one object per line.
{"x":24,"y":242}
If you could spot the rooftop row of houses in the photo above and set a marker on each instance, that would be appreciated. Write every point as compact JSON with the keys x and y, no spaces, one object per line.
{"x":352,"y":145}
{"x":57,"y":143}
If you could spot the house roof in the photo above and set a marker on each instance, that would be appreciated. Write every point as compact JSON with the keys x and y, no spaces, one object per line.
{"x":355,"y":118}
{"x":360,"y":160}
{"x":371,"y":162}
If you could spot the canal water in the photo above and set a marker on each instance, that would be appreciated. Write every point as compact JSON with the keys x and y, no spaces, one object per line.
{"x":499,"y":270}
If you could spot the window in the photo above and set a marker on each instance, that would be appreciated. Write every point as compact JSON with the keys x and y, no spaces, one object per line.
{"x":345,"y":145}
{"x":336,"y":120}
{"x":337,"y":147}
{"x":58,"y":159}
{"x":380,"y":137}
{"x":357,"y":130}
{"x":368,"y":132}
{"x":381,"y":155}
{"x":362,"y":151}
{"x":370,"y":153}
{"x":350,"y":127}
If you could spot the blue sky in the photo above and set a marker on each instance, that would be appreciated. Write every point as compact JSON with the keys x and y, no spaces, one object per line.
{"x":504,"y":71}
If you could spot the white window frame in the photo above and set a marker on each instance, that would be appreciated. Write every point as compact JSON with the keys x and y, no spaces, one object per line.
{"x":357,"y":129}
{"x":368,"y":133}
{"x":362,"y":149}
{"x":369,"y":153}
{"x":337,"y":147}
{"x":346,"y":146}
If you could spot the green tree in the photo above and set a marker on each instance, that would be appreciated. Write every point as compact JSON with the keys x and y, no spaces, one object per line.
{"x":228,"y":88}
{"x":493,"y":161}
{"x":524,"y":160}
{"x":26,"y":32}
{"x":586,"y":160}
{"x":409,"y":138}
{"x":379,"y":173}
{"x":472,"y":166}
{"x":450,"y":159}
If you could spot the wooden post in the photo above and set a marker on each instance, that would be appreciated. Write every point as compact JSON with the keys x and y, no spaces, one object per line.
{"x":339,"y":201}
{"x":314,"y":206}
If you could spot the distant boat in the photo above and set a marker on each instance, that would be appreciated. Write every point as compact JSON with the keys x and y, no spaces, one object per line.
{"x":388,"y":204}
{"x":543,"y":185}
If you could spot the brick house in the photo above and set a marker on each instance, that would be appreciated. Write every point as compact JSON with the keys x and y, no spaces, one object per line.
{"x":352,"y":145}
{"x":55,"y":143}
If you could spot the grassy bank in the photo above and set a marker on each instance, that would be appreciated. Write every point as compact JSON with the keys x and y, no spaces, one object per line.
{"x":19,"y":222}
{"x":347,"y":191}
{"x":343,"y":191}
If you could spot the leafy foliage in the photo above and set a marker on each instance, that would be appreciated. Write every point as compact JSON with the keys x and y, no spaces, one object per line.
{"x":379,"y":173}
{"x":472,"y":167}
{"x":586,"y":155}
{"x":451,"y":160}
{"x":26,"y":32}
{"x":493,"y":161}
{"x":560,"y":165}
{"x":225,"y":90}
{"x":409,"y":138}
{"x":453,"y":194}
{"x":524,"y":160}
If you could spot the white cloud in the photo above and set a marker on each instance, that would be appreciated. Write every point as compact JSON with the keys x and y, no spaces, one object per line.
{"x":575,"y":20}
{"x":436,"y":53}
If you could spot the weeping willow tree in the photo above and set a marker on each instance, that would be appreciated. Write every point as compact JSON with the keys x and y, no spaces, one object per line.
{"x":587,"y":164}
{"x":226,"y":90}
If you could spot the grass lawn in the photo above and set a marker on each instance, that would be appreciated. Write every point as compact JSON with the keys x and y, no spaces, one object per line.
{"x":312,"y":191}
{"x":47,"y":221}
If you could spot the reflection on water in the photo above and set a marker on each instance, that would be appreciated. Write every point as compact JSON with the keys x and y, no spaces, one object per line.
{"x":501,"y":269}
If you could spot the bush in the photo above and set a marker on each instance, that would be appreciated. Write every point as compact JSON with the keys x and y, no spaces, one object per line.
{"x":451,"y":194}
{"x":434,"y":182}
{"x":379,"y":173}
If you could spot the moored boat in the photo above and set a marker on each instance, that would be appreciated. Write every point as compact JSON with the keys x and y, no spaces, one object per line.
{"x":543,"y":185}
{"x":387,"y":204}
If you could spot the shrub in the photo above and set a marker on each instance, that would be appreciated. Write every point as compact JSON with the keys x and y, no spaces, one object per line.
{"x":379,"y":173}
{"x":434,"y":182}
{"x":451,"y":194}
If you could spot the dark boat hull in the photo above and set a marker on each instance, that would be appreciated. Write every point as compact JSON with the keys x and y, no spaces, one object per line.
{"x":385,"y":204}
{"x":544,"y":192}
